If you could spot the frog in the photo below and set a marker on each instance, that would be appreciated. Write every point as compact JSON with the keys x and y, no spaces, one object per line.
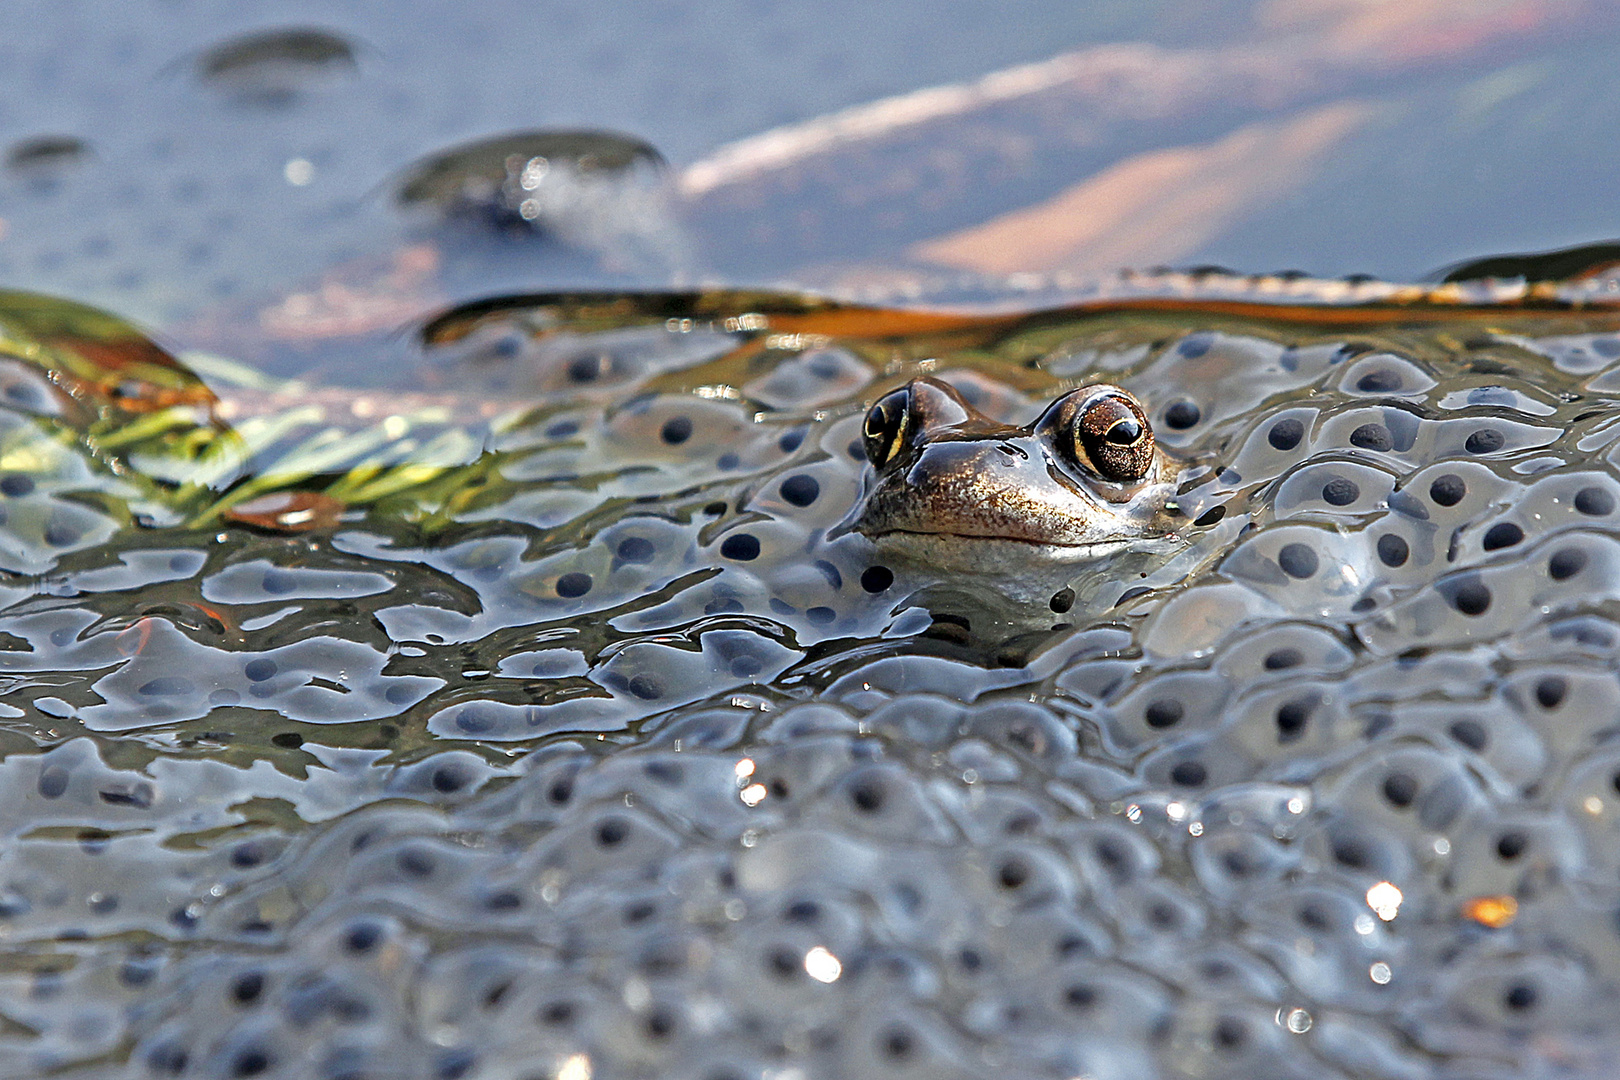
{"x":953,"y":488}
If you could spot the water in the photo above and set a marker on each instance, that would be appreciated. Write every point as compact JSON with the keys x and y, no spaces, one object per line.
{"x":211,"y":159}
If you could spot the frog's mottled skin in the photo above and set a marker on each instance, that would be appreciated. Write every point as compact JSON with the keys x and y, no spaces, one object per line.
{"x":967,"y":492}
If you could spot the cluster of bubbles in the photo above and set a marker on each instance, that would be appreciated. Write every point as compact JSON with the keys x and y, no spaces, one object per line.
{"x":621,"y":759}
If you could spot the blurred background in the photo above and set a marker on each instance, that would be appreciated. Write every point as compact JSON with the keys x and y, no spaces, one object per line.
{"x":298,"y":170}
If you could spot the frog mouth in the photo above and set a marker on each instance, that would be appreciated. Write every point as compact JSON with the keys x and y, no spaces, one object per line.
{"x":940,"y":545}
{"x":954,"y":549}
{"x":1012,"y":535}
{"x":853,"y":523}
{"x":1002,"y":538}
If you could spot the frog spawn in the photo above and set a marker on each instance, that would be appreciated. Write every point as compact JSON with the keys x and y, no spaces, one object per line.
{"x":955,"y":877}
{"x":1165,"y":864}
{"x":844,"y":890}
{"x":249,"y":625}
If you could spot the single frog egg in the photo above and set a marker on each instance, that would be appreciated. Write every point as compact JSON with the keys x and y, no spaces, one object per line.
{"x":953,"y":488}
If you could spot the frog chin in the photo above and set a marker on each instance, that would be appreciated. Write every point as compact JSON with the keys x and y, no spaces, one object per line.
{"x":1014,"y":582}
{"x":996,"y":556}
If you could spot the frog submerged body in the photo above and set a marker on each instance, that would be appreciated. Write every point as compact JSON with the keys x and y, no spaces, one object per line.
{"x":956,"y":489}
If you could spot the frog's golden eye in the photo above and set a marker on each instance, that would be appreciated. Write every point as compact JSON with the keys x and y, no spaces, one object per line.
{"x":884,"y":432}
{"x":1113,"y":432}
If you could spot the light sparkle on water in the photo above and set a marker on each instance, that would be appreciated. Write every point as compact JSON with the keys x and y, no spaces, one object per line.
{"x":574,"y":1067}
{"x":1385,"y":900}
{"x":822,"y":965}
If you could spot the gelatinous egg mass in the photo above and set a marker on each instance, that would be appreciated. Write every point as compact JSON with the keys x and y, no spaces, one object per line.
{"x":543,"y":717}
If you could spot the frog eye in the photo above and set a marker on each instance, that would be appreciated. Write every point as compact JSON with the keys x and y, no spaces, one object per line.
{"x":884,"y":432}
{"x":1113,"y":432}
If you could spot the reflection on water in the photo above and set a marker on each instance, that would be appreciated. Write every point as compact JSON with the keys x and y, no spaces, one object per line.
{"x":1156,"y":208}
{"x":195,"y":172}
{"x":272,"y":68}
